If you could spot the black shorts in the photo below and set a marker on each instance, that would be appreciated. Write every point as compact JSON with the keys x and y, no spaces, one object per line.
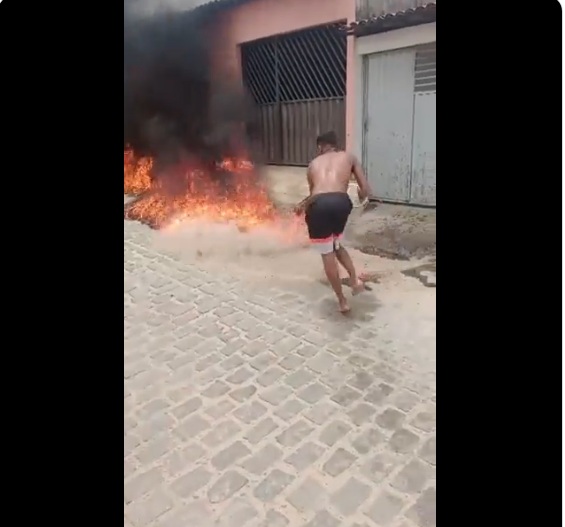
{"x":326,"y":218}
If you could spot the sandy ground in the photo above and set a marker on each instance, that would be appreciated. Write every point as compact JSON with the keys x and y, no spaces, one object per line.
{"x":272,"y":258}
{"x":279,"y":252}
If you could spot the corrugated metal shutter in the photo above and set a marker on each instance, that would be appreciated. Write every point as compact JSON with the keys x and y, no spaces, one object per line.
{"x":425,"y":68}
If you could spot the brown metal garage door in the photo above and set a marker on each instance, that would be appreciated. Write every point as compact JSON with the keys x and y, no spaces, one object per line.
{"x":298,"y":82}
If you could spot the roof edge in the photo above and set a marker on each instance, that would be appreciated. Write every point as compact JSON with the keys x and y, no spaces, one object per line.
{"x":388,"y":22}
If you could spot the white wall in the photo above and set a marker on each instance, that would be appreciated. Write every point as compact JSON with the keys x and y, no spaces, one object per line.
{"x":391,"y":40}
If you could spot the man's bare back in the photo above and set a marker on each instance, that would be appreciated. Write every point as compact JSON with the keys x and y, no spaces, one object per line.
{"x":331,"y":172}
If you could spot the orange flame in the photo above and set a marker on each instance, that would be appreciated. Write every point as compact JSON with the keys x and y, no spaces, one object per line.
{"x":242,"y":200}
{"x":137,"y":173}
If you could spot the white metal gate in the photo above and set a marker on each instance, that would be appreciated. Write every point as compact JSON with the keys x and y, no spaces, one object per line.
{"x":399,"y":144}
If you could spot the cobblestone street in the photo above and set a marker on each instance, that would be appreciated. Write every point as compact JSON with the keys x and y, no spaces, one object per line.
{"x":245,"y":406}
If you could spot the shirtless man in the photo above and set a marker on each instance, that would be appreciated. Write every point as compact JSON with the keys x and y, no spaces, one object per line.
{"x":328,"y":207}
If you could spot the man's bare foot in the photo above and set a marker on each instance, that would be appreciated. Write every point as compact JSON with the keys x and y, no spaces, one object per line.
{"x":359,"y":287}
{"x":344,"y":306}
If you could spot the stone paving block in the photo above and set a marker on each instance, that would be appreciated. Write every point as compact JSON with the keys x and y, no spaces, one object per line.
{"x":345,"y":396}
{"x":192,"y":427}
{"x":385,"y":508}
{"x":261,"y":430}
{"x":153,"y":407}
{"x":380,"y":466}
{"x":183,"y":410}
{"x":361,"y":413}
{"x":229,"y":455}
{"x":272,"y":485}
{"x":294,"y":433}
{"x":340,"y":461}
{"x":379,"y":394}
{"x":428,"y":451}
{"x":423,"y":512}
{"x":149,"y":510}
{"x":313,"y":393}
{"x":291,"y":362}
{"x":367,"y":440}
{"x":187,"y":485}
{"x":413,"y":477}
{"x":227,"y":485}
{"x":274,"y":519}
{"x":221,"y":433}
{"x":425,"y":421}
{"x":216,"y":389}
{"x":263,"y":361}
{"x":176,"y":462}
{"x":243,"y":394}
{"x":390,"y":419}
{"x":309,"y":496}
{"x":361,"y":380}
{"x":220,"y":410}
{"x":405,"y":400}
{"x":270,"y":376}
{"x":286,"y":346}
{"x":320,"y":412}
{"x":350,"y":496}
{"x":333,"y":432}
{"x":155,"y":449}
{"x":305,"y":455}
{"x":231,"y":363}
{"x":250,"y":412}
{"x":323,"y":519}
{"x":307,"y":351}
{"x":289,"y":409}
{"x":403,"y":441}
{"x":299,"y":378}
{"x":240,"y":375}
{"x":263,"y":459}
{"x":275,"y":396}
{"x":239,"y":512}
{"x":142,"y":484}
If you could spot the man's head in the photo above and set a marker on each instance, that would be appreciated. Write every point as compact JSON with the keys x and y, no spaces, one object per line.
{"x":326,"y":142}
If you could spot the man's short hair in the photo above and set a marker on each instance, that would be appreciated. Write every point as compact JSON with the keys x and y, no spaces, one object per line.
{"x":327,"y":139}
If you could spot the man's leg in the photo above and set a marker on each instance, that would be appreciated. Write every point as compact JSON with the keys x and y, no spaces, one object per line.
{"x":319,"y":222}
{"x":339,"y":222}
{"x":332,"y":272}
{"x":344,"y":259}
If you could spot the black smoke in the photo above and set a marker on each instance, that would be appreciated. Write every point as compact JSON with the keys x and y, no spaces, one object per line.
{"x":170,"y":108}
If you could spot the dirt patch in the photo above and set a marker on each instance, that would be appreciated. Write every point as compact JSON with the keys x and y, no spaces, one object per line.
{"x":394,"y":232}
{"x":425,"y":273}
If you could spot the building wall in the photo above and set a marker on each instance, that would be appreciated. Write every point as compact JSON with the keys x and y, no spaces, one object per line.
{"x":264,"y":18}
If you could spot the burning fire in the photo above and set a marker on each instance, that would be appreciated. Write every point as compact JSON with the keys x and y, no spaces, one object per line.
{"x":137,"y":173}
{"x":240,"y":198}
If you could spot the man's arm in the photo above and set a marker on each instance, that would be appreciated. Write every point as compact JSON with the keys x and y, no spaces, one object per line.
{"x":301,"y":207}
{"x":359,"y":174}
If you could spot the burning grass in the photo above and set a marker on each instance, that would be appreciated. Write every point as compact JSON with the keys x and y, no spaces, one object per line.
{"x":232,"y":193}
